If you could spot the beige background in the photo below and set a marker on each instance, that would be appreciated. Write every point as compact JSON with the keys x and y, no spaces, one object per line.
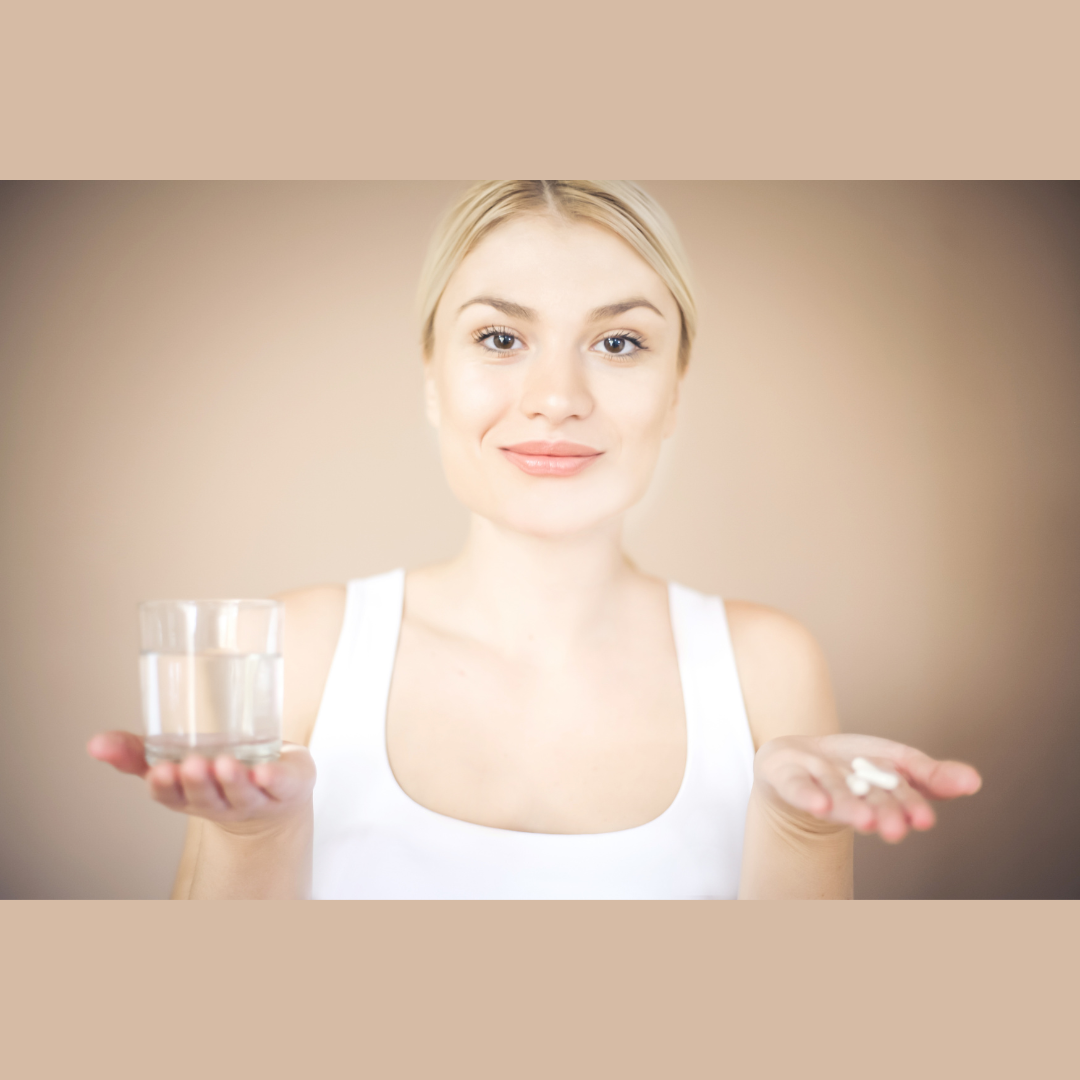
{"x":333,"y":88}
{"x":214,"y":389}
{"x":532,"y":990}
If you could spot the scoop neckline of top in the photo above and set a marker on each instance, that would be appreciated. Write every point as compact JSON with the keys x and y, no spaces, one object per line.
{"x":400,"y":792}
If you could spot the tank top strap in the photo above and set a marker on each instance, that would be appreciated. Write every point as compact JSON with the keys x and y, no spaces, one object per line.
{"x":353,"y":711}
{"x":719,"y":745}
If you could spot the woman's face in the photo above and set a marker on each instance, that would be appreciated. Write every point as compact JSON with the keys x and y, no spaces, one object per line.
{"x":554,"y":375}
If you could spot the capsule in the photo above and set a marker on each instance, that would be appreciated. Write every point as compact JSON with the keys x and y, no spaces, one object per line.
{"x":858,"y":785}
{"x":868,"y":771}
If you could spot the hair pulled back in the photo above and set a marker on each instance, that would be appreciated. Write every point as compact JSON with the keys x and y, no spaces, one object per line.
{"x":620,"y":206}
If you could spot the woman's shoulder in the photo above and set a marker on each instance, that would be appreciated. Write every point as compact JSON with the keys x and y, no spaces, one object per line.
{"x":313,"y":617}
{"x":783,"y":673}
{"x":312,"y":626}
{"x":760,"y":628}
{"x":312,"y":597}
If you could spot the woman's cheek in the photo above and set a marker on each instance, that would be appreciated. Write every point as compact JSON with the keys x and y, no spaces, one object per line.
{"x":474,"y":401}
{"x":470,"y":405}
{"x":642,"y":439}
{"x":641,"y":414}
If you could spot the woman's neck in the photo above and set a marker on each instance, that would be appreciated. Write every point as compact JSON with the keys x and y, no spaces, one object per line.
{"x":519,"y":592}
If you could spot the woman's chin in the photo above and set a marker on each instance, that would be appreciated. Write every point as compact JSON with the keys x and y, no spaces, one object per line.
{"x":550,"y":509}
{"x":554,"y":522}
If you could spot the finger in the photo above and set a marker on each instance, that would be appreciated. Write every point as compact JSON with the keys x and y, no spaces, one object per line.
{"x":934,"y":779}
{"x":847,"y":807}
{"x":234,"y":779}
{"x":288,"y":778}
{"x":200,"y":786}
{"x":164,"y":783}
{"x":120,"y":749}
{"x":890,"y":821}
{"x":919,"y":813}
{"x":938,"y":779}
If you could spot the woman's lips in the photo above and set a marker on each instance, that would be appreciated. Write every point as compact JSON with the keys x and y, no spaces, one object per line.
{"x":551,"y":458}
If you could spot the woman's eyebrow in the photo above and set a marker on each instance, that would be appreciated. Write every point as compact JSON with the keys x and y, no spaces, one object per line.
{"x":519,"y":311}
{"x":609,"y":311}
{"x":507,"y":307}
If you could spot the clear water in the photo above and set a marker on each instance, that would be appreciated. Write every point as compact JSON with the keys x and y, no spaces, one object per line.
{"x":211,"y":703}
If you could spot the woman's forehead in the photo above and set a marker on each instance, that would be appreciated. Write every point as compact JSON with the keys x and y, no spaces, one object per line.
{"x":540,"y":261}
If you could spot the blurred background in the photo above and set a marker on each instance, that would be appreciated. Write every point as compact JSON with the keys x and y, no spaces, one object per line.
{"x":202,"y":386}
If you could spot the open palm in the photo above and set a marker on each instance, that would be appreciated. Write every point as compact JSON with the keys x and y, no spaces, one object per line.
{"x":808,"y":775}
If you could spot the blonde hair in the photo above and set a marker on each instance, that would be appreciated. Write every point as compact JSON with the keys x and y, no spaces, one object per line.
{"x":617,"y":205}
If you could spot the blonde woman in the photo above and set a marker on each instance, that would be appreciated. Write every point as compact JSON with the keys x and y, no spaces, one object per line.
{"x":539,"y":717}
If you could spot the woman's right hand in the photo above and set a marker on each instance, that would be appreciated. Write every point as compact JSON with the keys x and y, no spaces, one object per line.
{"x":239,"y":798}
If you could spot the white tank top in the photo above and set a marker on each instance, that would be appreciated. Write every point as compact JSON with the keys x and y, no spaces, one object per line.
{"x":372,"y":841}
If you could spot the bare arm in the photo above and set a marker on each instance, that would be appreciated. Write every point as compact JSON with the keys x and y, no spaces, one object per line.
{"x":786,"y":687}
{"x":802,"y":815}
{"x":272,"y":862}
{"x":250,"y":828}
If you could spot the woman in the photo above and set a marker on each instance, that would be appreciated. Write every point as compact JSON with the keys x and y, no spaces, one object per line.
{"x":538,"y":717}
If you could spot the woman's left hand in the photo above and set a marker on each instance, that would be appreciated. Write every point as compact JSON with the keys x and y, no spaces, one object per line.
{"x":805,"y":780}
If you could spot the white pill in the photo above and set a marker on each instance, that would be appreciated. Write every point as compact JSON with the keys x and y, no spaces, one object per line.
{"x":867,"y":770}
{"x":858,"y":785}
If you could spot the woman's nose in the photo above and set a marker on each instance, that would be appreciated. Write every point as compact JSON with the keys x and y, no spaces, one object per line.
{"x":556,"y":388}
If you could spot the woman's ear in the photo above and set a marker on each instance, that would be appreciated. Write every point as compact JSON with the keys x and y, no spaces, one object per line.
{"x":431,"y":396}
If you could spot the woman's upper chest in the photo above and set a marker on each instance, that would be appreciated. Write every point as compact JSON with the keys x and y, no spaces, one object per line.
{"x":591,"y":738}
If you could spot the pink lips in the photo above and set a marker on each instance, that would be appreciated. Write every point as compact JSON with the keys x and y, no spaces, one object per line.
{"x":551,"y":458}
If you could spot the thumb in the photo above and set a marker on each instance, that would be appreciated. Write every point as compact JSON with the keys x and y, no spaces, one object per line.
{"x":292,"y":775}
{"x":120,"y":749}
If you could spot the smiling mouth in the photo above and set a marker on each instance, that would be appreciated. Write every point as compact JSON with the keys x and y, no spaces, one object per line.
{"x":550,"y":458}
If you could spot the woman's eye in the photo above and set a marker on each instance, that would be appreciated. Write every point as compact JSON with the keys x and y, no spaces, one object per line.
{"x":500,"y":341}
{"x":618,"y":345}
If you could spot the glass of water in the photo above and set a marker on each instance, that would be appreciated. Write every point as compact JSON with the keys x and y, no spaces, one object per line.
{"x":211,"y":675}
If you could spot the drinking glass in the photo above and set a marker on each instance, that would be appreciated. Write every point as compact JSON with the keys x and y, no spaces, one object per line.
{"x":211,"y":675}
